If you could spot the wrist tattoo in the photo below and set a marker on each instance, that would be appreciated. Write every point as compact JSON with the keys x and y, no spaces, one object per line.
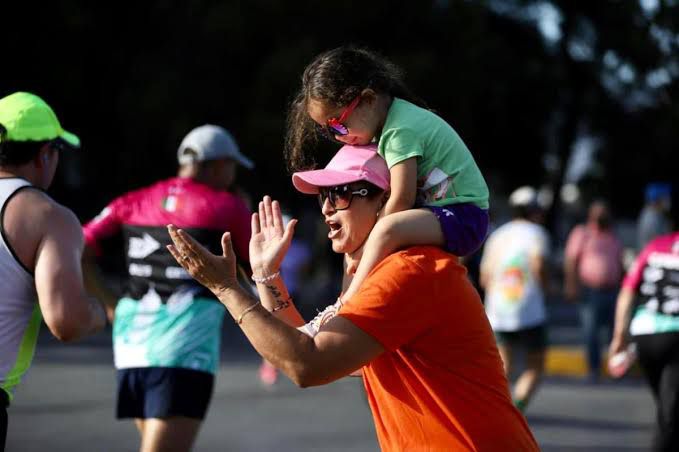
{"x":280,"y":305}
{"x":274,"y":291}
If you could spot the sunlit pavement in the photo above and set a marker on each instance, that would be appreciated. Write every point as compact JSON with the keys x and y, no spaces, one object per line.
{"x":571,"y":415}
{"x":66,"y":404}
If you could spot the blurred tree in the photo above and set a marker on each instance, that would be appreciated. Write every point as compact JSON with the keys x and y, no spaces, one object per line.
{"x":521,"y":81}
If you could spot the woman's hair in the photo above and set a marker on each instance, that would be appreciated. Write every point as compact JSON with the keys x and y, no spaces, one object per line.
{"x":336,"y":77}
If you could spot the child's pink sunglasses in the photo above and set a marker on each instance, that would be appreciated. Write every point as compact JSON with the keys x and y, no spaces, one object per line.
{"x":336,"y":126}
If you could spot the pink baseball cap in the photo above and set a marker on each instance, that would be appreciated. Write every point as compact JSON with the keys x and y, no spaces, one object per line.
{"x":350,"y":164}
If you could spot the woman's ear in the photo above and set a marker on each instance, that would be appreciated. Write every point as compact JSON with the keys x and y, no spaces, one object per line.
{"x":368,"y":95}
{"x":43,"y":156}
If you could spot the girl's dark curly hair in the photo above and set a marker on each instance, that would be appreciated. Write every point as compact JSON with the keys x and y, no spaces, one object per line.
{"x":336,"y":77}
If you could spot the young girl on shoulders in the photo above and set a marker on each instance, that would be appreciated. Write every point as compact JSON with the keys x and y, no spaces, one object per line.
{"x":438,"y":194}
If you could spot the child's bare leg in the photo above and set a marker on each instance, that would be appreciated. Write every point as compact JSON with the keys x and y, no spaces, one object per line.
{"x":398,"y":230}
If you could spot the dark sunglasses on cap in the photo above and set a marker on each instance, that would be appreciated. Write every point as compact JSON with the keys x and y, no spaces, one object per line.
{"x":340,"y":196}
{"x":336,"y":126}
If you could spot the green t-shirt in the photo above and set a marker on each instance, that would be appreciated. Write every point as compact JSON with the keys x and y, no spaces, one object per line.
{"x":446,"y":170}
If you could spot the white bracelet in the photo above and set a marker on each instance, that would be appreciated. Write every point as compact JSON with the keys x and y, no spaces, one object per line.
{"x":266,"y":279}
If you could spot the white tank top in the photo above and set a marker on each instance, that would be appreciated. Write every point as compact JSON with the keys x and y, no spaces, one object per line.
{"x":19,"y":311}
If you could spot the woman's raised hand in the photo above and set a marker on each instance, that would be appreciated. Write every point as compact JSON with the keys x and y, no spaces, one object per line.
{"x":217,"y":273}
{"x":270,"y":238}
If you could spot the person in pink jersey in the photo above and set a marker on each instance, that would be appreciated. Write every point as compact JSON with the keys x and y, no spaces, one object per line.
{"x":593,"y":270}
{"x":167,"y":328}
{"x":647,"y":314}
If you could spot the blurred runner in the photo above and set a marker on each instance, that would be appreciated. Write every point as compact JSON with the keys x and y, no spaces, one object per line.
{"x":650,"y":298}
{"x":653,"y":219}
{"x":513,"y":273}
{"x":40,"y":243}
{"x":167,"y":329}
{"x":592,"y":274}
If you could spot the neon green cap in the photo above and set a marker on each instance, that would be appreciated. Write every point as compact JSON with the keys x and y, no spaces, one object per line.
{"x":28,"y":118}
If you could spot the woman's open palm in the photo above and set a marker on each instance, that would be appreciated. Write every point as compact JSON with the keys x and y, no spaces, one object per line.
{"x":270,"y":238}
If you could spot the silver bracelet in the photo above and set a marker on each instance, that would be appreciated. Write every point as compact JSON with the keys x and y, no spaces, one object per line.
{"x":266,"y":279}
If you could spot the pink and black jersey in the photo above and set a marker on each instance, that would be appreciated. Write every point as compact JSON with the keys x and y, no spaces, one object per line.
{"x":142,"y":216}
{"x":654,"y":277}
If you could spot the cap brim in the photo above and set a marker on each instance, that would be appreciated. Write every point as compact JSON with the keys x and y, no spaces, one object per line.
{"x":309,"y":181}
{"x":244,"y":161}
{"x":71,"y":139}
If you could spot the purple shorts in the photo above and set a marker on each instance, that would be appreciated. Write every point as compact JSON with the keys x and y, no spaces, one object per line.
{"x":464,"y":227}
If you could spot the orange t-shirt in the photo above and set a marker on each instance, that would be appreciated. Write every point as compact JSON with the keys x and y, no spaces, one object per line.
{"x":439,"y":385}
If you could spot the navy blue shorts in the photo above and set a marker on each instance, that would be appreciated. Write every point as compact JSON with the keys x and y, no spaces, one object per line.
{"x":161,"y":392}
{"x":464,"y":226}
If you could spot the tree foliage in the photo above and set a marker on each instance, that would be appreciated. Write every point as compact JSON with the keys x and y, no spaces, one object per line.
{"x":131,"y":79}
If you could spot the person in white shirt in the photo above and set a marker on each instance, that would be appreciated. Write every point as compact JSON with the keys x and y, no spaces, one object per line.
{"x":513,"y":274}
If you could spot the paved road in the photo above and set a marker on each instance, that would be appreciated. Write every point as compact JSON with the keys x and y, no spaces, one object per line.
{"x":66,"y":404}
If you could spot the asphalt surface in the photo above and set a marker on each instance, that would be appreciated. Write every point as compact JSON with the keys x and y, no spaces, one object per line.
{"x":66,"y":403}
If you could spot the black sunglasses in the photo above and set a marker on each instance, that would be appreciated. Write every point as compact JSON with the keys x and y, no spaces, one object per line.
{"x":340,"y":196}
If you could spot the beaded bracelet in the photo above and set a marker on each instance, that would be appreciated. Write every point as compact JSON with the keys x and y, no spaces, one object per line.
{"x":266,"y":279}
{"x":246,"y":311}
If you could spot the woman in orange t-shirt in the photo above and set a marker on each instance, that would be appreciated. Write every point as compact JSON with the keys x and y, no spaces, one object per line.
{"x":416,"y":328}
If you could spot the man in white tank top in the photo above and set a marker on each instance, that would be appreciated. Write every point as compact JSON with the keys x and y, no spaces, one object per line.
{"x":41,"y":244}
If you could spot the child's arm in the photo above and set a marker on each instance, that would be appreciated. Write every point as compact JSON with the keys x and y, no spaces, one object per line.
{"x":403,"y":187}
{"x":411,"y":227}
{"x":403,"y":226}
